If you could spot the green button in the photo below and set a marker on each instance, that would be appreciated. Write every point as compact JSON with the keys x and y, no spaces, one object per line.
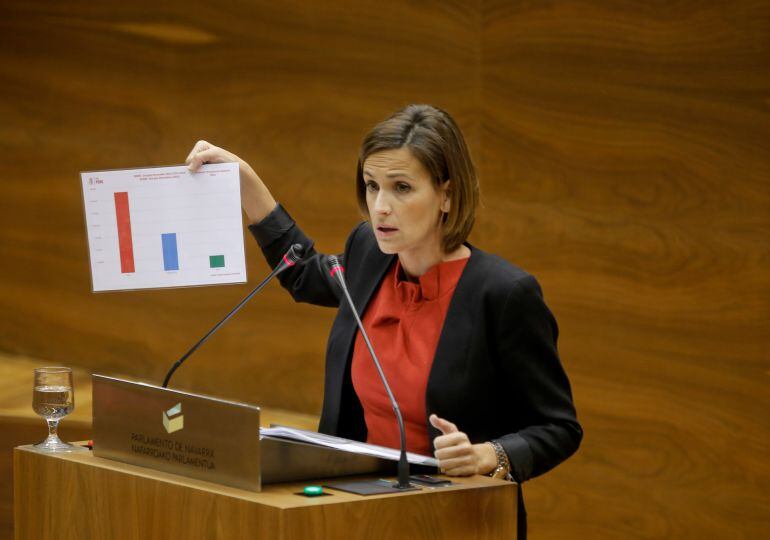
{"x":313,"y":491}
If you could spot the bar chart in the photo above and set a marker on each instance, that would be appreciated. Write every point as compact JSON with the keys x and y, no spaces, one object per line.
{"x":164,"y":227}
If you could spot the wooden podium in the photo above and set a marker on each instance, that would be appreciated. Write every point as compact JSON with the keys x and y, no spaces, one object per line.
{"x":76,"y":496}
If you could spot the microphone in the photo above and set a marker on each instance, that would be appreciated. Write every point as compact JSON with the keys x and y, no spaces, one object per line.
{"x":337,"y":271}
{"x":289,"y":259}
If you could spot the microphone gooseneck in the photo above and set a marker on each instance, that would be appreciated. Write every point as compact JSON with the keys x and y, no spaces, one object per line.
{"x":337,"y":271}
{"x":289,"y":259}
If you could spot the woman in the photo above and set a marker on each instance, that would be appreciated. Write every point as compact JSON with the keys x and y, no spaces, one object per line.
{"x":464,"y":337}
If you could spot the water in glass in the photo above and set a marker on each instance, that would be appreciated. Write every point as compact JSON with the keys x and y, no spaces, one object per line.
{"x":52,"y":401}
{"x":53,"y":398}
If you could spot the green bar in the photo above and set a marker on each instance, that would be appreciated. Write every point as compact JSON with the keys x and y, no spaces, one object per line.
{"x":216,"y":261}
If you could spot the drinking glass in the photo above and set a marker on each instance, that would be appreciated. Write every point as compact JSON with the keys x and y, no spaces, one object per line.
{"x":53,"y":398}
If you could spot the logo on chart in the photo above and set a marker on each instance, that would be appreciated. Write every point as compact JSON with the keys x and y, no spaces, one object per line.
{"x":173,"y":419}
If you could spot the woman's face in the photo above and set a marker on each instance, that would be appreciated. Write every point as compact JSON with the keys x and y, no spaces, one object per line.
{"x":404,"y":205}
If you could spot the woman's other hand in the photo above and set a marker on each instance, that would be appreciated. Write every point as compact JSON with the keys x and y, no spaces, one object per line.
{"x":455,"y":453}
{"x":256,"y":199}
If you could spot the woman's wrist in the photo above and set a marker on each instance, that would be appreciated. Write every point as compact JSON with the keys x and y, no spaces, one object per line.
{"x":487,"y":459}
{"x":256,"y":199}
{"x":257,"y":207}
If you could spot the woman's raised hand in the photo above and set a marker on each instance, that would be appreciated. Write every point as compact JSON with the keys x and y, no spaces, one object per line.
{"x":256,"y":199}
{"x":205,"y":152}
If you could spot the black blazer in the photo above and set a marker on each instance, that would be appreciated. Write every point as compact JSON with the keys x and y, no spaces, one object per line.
{"x":496,"y":373}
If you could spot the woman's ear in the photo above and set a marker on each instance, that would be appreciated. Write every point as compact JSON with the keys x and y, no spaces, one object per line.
{"x":446,"y":200}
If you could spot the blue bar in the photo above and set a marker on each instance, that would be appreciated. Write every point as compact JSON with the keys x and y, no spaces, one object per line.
{"x":170,"y":254}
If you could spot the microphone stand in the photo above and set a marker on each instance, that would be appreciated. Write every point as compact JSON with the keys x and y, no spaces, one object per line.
{"x":402,"y":484}
{"x":289,"y":259}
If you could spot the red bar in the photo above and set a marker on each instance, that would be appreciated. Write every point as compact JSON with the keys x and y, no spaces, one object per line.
{"x":125,"y":242}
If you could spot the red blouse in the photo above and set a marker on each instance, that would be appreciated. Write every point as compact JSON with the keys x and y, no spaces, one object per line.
{"x":404,"y":322}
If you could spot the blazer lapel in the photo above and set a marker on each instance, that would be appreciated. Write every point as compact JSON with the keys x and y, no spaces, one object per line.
{"x":453,"y":342}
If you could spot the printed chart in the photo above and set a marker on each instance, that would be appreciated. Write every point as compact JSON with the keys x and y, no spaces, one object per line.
{"x":164,"y":227}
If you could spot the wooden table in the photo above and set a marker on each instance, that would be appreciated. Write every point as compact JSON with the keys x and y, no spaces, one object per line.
{"x":79,"y":496}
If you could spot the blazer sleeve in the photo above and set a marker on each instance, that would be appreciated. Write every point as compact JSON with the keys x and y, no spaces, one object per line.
{"x":539,"y":388}
{"x":309,"y":280}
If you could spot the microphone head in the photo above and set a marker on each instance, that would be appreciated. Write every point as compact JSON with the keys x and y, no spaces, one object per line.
{"x":295,"y":253}
{"x":335,"y":267}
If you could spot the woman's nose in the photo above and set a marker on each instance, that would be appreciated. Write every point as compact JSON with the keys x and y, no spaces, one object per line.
{"x":381,"y":205}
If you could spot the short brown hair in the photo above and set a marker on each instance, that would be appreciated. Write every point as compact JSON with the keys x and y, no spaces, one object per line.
{"x":436,"y":141}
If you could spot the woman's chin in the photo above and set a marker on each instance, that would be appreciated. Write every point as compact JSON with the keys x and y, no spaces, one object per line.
{"x":388,"y":248}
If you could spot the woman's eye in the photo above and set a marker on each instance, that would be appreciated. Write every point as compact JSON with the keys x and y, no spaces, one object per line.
{"x":371,"y":186}
{"x":403,"y":188}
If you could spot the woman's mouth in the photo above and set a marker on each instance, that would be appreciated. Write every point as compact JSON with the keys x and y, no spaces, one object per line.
{"x":384,"y":231}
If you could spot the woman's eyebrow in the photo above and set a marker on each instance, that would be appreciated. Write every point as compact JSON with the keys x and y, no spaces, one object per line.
{"x":396,"y":174}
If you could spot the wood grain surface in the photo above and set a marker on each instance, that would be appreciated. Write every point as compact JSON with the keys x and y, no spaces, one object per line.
{"x":630,"y":145}
{"x":87,"y":497}
{"x":624,"y":156}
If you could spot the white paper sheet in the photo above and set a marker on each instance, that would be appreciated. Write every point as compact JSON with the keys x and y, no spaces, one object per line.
{"x":347,"y":445}
{"x":164,"y":227}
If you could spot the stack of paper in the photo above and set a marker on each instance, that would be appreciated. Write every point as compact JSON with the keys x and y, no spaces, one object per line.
{"x":355,"y":447}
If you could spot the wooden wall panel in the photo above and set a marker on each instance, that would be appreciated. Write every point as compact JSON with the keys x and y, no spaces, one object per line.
{"x":626,"y":164}
{"x":623,"y":151}
{"x":292,"y":87}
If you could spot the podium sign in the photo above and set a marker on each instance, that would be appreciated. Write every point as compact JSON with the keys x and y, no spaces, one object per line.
{"x":168,"y":430}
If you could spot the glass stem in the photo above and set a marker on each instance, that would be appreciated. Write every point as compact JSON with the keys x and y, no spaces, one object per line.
{"x":53,"y":424}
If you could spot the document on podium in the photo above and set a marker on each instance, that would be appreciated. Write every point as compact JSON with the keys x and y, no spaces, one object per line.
{"x":164,"y":227}
{"x":355,"y":447}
